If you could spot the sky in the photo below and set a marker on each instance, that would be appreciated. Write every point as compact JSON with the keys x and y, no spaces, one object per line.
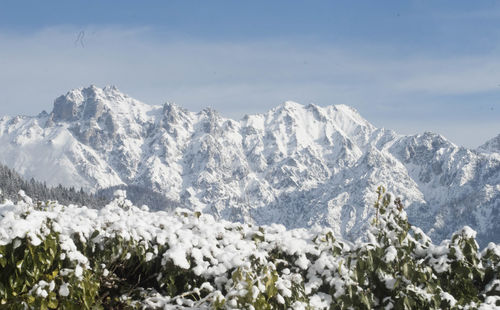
{"x":410,"y":66}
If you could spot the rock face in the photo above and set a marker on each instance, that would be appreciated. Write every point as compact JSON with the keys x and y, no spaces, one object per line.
{"x":295,"y":165}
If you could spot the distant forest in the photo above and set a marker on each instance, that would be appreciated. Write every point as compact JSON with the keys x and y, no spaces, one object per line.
{"x":11,"y":182}
{"x":141,"y":196}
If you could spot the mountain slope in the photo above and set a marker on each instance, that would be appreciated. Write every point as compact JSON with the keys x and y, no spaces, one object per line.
{"x":295,"y":165}
{"x":492,"y":145}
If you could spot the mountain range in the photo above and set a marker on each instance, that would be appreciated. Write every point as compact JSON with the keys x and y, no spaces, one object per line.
{"x":296,"y":165}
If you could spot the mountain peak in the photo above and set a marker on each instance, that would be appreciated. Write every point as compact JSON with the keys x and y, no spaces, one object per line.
{"x":91,"y":102}
{"x":95,"y":92}
{"x":110,"y":88}
{"x":291,"y":105}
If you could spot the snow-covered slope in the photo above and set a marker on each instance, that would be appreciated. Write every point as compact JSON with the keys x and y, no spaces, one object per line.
{"x":295,"y":165}
{"x":492,"y":145}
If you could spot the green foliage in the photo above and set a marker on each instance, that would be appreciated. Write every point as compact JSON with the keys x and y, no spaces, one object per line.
{"x":397,"y":267}
{"x":33,"y":274}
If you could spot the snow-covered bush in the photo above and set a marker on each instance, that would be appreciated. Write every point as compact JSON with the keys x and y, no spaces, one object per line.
{"x":121,"y":256}
{"x":40,"y":268}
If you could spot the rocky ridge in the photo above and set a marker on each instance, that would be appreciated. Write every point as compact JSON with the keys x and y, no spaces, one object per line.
{"x":297,"y":165}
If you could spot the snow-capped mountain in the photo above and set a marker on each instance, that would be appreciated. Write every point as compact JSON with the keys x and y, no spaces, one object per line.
{"x":295,"y":165}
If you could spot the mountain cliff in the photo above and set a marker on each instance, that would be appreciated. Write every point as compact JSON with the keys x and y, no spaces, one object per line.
{"x":296,"y":165}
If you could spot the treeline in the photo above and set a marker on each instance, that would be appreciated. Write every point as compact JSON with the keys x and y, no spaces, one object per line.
{"x":141,"y":196}
{"x":11,"y":183}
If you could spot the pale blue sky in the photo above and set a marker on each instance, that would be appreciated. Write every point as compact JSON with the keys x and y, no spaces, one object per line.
{"x":410,"y":66}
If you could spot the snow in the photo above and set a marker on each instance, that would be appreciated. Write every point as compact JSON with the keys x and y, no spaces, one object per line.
{"x":390,"y":254}
{"x":78,"y":271}
{"x":213,"y":249}
{"x":468,"y":233}
{"x":64,"y":290}
{"x":389,"y":283}
{"x":492,"y":146}
{"x":490,"y":303}
{"x":149,"y":256}
{"x":320,"y":301}
{"x":449,"y":298}
{"x":295,"y":165}
{"x":52,"y":285}
{"x":178,"y":257}
{"x":41,"y":292}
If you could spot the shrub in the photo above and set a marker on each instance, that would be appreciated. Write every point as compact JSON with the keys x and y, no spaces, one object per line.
{"x":70,"y":257}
